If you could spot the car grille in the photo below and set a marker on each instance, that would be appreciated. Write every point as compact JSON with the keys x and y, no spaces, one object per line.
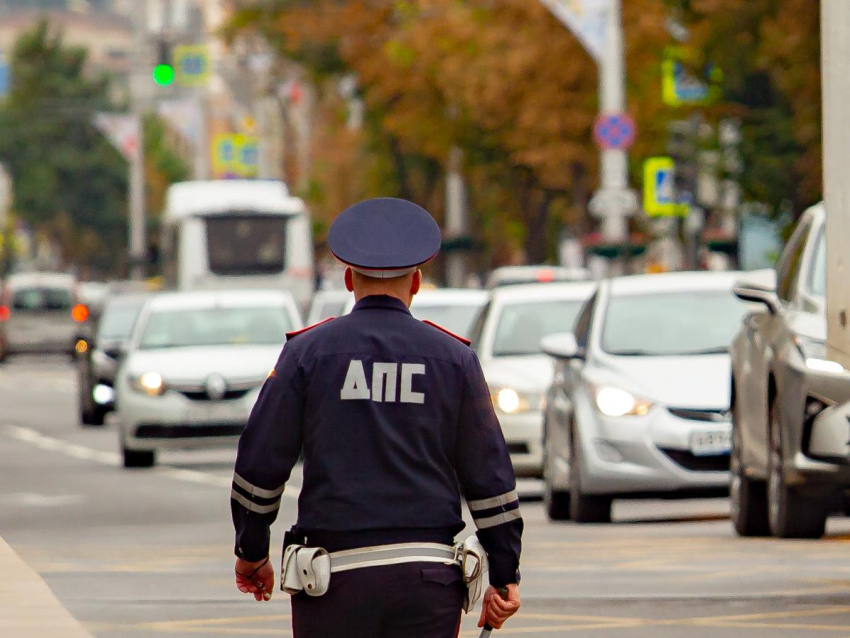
{"x":156,"y":431}
{"x":712,"y":416}
{"x":683,"y":458}
{"x":201,"y":395}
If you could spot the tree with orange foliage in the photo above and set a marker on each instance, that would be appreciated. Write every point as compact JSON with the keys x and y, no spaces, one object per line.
{"x":502,"y":80}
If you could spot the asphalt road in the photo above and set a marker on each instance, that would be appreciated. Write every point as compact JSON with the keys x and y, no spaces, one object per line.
{"x":147,"y":553}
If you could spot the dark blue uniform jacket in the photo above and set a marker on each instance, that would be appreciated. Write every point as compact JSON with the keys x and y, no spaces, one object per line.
{"x":394,"y":421}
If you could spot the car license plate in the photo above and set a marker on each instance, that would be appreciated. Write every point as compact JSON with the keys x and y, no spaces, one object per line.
{"x":229,"y":411}
{"x":712,"y":443}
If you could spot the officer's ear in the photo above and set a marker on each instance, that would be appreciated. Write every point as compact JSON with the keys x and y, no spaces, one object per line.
{"x":416,"y":282}
{"x":349,"y":280}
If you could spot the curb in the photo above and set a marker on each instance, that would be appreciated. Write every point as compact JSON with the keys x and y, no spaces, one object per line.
{"x":28,"y":607}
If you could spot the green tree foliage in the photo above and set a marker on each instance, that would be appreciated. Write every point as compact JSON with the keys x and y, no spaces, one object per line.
{"x":163,"y":165}
{"x":68,"y":180}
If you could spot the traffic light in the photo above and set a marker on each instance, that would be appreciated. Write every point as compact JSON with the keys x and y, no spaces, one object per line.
{"x":163,"y":72}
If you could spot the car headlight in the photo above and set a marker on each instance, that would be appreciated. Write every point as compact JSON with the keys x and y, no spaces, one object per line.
{"x":150,"y":383}
{"x":103,"y":394}
{"x":511,"y":401}
{"x":613,"y":401}
{"x":814,"y":354}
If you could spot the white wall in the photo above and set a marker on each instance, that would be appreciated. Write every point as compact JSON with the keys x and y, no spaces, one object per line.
{"x":835,"y":42}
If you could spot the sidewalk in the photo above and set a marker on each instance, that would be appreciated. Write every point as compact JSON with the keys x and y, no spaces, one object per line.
{"x":28,"y":608}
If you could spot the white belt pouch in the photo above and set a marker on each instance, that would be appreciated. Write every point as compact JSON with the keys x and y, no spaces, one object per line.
{"x":309,"y":569}
{"x":306,"y":569}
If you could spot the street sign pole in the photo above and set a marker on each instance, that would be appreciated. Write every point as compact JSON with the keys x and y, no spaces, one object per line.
{"x":612,"y":99}
{"x":598,"y":26}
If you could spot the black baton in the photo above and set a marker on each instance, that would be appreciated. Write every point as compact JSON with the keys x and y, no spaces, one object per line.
{"x":485,"y":633}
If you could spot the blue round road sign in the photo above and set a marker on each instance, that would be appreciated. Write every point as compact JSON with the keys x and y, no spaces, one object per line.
{"x":614,"y":131}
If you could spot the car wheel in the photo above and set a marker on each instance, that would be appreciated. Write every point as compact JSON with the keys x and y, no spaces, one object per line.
{"x":556,"y":502}
{"x":585,"y":508}
{"x":790,"y":513}
{"x":747,"y":497}
{"x":139,"y":458}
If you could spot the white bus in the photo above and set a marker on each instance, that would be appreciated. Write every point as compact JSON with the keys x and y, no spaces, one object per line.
{"x":237,"y":233}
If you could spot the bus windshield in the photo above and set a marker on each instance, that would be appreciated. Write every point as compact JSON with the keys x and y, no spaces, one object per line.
{"x":246,"y":243}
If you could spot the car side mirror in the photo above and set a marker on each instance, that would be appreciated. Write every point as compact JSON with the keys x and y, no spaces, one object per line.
{"x":561,"y":346}
{"x":761,"y":290}
{"x":115,"y":351}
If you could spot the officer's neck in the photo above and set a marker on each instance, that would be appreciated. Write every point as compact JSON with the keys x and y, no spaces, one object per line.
{"x":376,"y":292}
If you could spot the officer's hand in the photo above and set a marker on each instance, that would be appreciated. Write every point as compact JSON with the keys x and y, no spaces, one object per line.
{"x":255,"y":578}
{"x":495,"y":610}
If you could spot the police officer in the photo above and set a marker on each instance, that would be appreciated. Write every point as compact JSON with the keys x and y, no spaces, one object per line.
{"x":393,"y":420}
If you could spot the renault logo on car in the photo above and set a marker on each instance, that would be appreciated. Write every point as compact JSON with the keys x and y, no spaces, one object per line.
{"x":216,"y":387}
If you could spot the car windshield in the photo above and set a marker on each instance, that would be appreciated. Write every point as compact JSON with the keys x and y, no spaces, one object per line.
{"x":187,"y":328}
{"x":455,"y":318}
{"x":818,"y":283}
{"x":681,"y":323}
{"x":522,"y":325}
{"x":118,"y":320}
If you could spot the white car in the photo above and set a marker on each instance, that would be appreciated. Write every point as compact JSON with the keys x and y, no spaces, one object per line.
{"x":454,"y":309}
{"x":640,"y":400}
{"x":507,"y":337}
{"x":327,"y":304}
{"x":194,"y":367}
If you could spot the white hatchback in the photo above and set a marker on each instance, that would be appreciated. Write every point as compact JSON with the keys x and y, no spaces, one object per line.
{"x":194,"y":367}
{"x":506,"y":336}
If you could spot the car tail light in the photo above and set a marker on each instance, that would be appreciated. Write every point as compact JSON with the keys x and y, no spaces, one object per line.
{"x":5,"y":313}
{"x":80,"y":313}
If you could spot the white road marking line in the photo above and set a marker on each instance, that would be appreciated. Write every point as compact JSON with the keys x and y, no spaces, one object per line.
{"x":52,"y":444}
{"x":42,"y":500}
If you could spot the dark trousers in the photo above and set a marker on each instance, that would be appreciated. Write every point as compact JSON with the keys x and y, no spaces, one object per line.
{"x":411,"y":600}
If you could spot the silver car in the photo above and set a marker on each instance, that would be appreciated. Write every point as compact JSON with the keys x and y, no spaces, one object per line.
{"x":790,"y":448}
{"x":40,"y":313}
{"x":195,"y":364}
{"x":639,"y":404}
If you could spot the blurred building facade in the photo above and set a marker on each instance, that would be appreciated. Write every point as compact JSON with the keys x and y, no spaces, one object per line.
{"x":106,"y":33}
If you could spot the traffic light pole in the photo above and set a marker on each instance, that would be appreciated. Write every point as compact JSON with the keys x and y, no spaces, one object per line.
{"x":138,"y":90}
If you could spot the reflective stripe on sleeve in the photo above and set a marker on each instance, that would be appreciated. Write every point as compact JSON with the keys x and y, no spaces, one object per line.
{"x":257,"y":491}
{"x":498,"y":519}
{"x":495,"y":501}
{"x":259,"y":509}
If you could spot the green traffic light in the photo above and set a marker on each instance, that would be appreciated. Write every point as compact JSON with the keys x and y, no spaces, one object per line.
{"x":163,"y":74}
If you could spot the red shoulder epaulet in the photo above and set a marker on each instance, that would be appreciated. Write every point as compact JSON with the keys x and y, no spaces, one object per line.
{"x":463,"y":340}
{"x":295,"y":333}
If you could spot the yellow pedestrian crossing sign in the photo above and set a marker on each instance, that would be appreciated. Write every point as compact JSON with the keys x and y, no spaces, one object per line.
{"x":191,"y":64}
{"x":659,"y":189}
{"x":235,"y":156}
